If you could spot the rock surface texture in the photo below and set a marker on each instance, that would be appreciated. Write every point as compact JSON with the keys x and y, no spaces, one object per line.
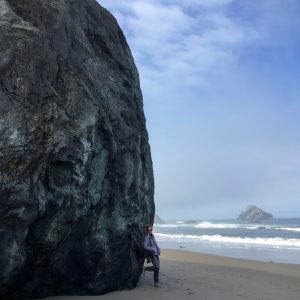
{"x":254,"y":214}
{"x":76,"y":179}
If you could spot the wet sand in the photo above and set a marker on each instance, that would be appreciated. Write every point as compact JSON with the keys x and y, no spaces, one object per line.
{"x":188,"y":275}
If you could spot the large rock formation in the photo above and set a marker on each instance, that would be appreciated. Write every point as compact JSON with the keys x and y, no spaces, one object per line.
{"x":76,"y":180}
{"x":254,"y":214}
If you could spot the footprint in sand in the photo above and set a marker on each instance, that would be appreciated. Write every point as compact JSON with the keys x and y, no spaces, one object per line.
{"x":190,"y":292}
{"x":176,"y":280}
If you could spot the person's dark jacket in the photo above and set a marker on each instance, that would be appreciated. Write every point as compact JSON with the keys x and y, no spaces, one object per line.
{"x":150,"y":245}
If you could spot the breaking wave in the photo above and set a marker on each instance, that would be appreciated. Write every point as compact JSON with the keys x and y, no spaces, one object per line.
{"x":289,"y":228}
{"x":208,"y":225}
{"x":241,"y":241}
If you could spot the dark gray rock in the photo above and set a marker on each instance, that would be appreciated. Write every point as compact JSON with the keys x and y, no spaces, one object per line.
{"x":254,"y":214}
{"x":75,"y":167}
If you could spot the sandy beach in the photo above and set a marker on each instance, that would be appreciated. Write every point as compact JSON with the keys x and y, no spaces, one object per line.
{"x":188,"y":275}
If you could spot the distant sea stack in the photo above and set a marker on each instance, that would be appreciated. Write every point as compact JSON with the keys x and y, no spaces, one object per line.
{"x":254,"y":214}
{"x":76,"y":179}
{"x":158,"y":220}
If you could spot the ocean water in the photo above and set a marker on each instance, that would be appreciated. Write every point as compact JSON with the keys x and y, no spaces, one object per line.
{"x":277,"y":240}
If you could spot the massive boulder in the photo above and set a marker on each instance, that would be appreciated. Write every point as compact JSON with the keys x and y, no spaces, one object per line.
{"x":254,"y":214}
{"x":76,"y":179}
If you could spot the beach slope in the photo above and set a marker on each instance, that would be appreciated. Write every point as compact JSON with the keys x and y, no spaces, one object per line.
{"x":188,"y":275}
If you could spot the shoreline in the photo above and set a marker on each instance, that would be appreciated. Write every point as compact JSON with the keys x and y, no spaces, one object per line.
{"x":261,"y":254}
{"x":276,"y":240}
{"x":190,"y":275}
{"x":288,"y":269}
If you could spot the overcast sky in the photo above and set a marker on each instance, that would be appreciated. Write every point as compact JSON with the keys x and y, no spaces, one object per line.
{"x":221,"y":87}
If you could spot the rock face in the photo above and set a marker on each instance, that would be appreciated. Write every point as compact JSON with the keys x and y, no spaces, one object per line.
{"x":254,"y":214}
{"x":76,"y":179}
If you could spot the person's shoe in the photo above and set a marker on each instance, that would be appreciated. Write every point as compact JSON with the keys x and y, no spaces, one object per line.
{"x":157,"y":285}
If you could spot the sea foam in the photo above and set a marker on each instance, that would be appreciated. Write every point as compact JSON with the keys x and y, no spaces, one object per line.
{"x":238,"y":241}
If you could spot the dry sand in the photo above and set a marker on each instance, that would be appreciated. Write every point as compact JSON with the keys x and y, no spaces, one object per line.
{"x":188,"y":275}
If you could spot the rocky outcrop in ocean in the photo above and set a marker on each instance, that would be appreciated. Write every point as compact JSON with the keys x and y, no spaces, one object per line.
{"x":76,"y":179}
{"x":254,"y":214}
{"x":158,"y":220}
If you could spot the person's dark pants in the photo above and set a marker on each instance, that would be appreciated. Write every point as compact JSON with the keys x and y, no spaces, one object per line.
{"x":155,"y":267}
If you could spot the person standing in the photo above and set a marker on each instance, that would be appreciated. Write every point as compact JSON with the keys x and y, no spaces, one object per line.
{"x":153,"y":251}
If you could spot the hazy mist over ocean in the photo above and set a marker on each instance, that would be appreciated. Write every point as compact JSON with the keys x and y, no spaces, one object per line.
{"x":220,"y":81}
